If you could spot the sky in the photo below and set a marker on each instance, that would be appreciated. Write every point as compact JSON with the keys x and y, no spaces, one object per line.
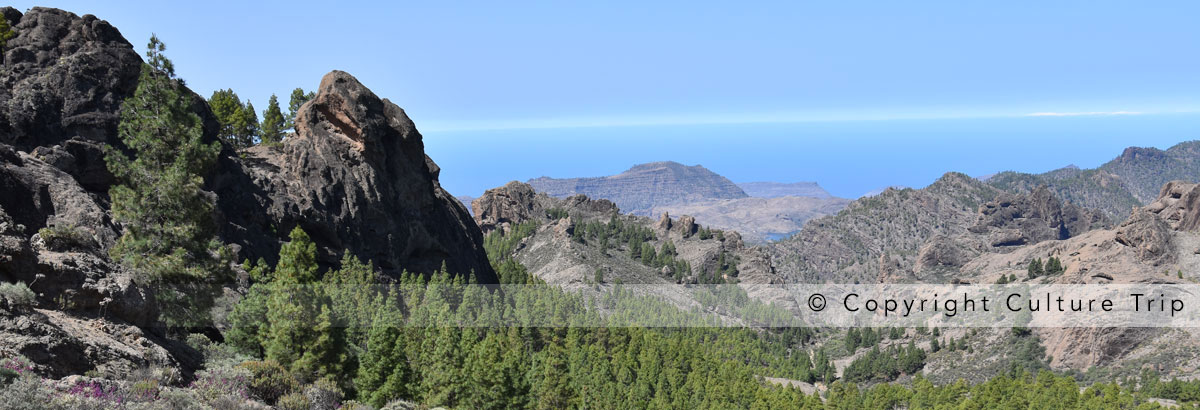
{"x":854,"y":95}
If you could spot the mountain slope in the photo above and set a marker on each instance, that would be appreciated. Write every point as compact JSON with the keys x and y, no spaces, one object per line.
{"x":851,"y":245}
{"x":645,"y":186}
{"x":1131,"y":180}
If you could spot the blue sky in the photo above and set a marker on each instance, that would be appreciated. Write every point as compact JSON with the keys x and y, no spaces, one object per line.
{"x":854,"y":95}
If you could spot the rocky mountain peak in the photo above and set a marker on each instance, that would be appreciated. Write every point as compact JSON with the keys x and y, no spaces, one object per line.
{"x":345,"y":108}
{"x":355,"y":177}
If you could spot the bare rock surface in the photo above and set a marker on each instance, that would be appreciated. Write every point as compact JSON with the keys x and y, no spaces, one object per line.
{"x":355,"y":177}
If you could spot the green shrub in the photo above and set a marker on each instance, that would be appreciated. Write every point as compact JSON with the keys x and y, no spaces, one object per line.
{"x":293,"y":401}
{"x":64,"y":237}
{"x":144,"y":390}
{"x":7,"y":376}
{"x":17,"y":294}
{"x":216,"y":383}
{"x":269,"y":380}
{"x":26,"y":393}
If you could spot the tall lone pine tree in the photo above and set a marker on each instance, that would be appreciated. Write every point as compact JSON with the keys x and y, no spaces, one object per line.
{"x":169,"y":235}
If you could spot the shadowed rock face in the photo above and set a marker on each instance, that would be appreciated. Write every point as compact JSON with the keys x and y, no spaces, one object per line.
{"x":62,"y":86}
{"x":355,"y":177}
{"x":65,"y":76}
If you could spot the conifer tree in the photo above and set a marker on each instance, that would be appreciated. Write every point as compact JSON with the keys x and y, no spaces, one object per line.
{"x":246,"y":126}
{"x":273,"y":123}
{"x":226,"y":106}
{"x":300,"y":334}
{"x":1035,"y":268}
{"x":6,"y":33}
{"x":383,"y":374}
{"x":169,"y":237}
{"x":298,"y":98}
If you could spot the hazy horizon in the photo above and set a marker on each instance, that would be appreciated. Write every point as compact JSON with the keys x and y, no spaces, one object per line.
{"x":847,"y":158}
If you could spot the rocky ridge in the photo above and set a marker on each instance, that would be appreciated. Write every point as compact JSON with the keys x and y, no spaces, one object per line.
{"x":552,"y":255}
{"x":355,"y":176}
{"x":1130,"y":180}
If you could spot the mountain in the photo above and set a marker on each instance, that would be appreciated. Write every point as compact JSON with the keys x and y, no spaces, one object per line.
{"x":878,"y":191}
{"x":645,"y":186}
{"x":780,"y":189}
{"x":354,"y":176}
{"x":776,"y":210}
{"x":759,"y":220}
{"x":1143,"y":171}
{"x":853,"y":244}
{"x":1131,"y":180}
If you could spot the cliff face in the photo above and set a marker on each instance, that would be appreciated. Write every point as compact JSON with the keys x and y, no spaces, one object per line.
{"x":645,"y":186}
{"x":64,"y":79}
{"x":355,"y":177}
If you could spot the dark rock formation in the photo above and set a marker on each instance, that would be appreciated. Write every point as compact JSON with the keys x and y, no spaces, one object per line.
{"x":500,"y":208}
{"x":686,"y":226}
{"x":64,"y":80}
{"x":65,"y":77}
{"x":355,"y":177}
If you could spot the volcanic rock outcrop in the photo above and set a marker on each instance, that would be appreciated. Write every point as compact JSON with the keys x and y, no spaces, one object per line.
{"x":356,"y":178}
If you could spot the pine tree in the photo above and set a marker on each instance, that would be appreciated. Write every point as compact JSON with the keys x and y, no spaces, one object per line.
{"x":246,"y":126}
{"x":169,"y":237}
{"x":1035,"y":268}
{"x":298,"y":98}
{"x":6,"y":33}
{"x":228,"y":109}
{"x":299,"y":334}
{"x":273,"y":123}
{"x":384,"y":375}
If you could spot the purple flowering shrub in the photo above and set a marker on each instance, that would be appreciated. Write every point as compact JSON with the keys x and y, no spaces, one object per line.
{"x":18,"y":364}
